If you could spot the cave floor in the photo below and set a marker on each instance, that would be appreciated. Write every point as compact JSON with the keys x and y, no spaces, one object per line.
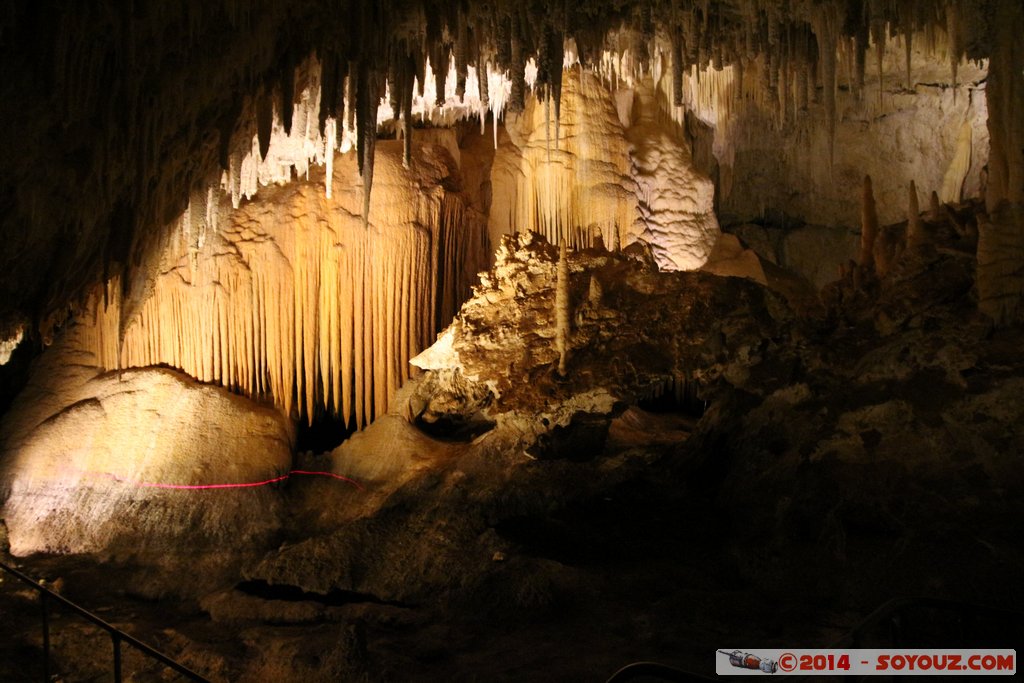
{"x":840,"y":462}
{"x":672,"y":595}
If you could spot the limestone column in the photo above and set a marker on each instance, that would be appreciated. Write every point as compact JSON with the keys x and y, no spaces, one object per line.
{"x":1001,"y":233}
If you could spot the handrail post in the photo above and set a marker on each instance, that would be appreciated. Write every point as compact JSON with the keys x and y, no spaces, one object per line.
{"x":117,"y":656}
{"x":46,"y":638}
{"x":116,"y":635}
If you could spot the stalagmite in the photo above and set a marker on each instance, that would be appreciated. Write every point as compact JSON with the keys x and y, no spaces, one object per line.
{"x":868,"y":226}
{"x":562,"y":305}
{"x":934,"y":208}
{"x":915,"y":230}
{"x":595,"y":291}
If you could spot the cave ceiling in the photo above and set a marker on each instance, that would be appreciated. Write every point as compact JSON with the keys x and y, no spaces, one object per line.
{"x":112,"y":113}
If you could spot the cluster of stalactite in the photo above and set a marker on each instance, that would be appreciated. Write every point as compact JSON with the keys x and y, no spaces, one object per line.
{"x":725,"y":59}
{"x":142,"y":110}
{"x":315,"y":313}
{"x":761,"y":62}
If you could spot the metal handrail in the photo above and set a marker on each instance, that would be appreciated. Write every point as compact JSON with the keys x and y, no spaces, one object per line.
{"x":897,"y":606}
{"x":117,"y":636}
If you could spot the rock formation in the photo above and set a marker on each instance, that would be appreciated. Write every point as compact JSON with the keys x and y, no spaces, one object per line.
{"x":392,"y":337}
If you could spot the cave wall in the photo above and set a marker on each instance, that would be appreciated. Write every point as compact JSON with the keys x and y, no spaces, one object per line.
{"x":932,"y":133}
{"x":111,"y":115}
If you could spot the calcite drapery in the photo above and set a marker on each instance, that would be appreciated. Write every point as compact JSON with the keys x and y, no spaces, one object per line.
{"x":292,"y":298}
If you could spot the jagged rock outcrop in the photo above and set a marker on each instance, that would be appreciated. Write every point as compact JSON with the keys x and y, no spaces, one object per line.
{"x":648,"y":332}
{"x":889,"y":444}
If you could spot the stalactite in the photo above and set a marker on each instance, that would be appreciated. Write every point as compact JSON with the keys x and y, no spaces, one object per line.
{"x":235,"y":179}
{"x":350,"y":95}
{"x":868,"y":226}
{"x":547,"y":124}
{"x":92,"y":87}
{"x":516,"y":67}
{"x":503,"y":40}
{"x":907,"y":21}
{"x":439,"y":62}
{"x":394,"y":85}
{"x":826,"y":28}
{"x":955,"y":44}
{"x":861,"y":49}
{"x":287,"y":94}
{"x":330,"y":85}
{"x":677,"y":69}
{"x":460,"y":50}
{"x":264,"y":122}
{"x":556,"y":96}
{"x":878,"y":35}
{"x":303,"y":306}
{"x":407,"y":129}
{"x":366,"y":123}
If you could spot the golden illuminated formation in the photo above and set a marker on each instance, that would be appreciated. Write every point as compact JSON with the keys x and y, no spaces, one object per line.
{"x":290,"y":298}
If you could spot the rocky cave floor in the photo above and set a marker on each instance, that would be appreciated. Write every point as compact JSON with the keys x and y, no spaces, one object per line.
{"x":853,"y":453}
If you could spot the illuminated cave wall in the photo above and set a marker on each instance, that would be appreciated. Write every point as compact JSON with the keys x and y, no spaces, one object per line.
{"x":290,"y":298}
{"x":116,"y":118}
{"x":610,"y":168}
{"x":785,"y":159}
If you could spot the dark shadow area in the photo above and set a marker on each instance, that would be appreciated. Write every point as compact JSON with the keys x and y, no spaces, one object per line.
{"x":334,"y":598}
{"x":685,"y":401}
{"x":637,"y":521}
{"x":937,"y":623}
{"x":454,"y":428}
{"x":327,"y":432}
{"x":581,"y":440}
{"x":14,"y":373}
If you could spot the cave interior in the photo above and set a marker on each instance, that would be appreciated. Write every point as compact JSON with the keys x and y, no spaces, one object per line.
{"x":508,"y":340}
